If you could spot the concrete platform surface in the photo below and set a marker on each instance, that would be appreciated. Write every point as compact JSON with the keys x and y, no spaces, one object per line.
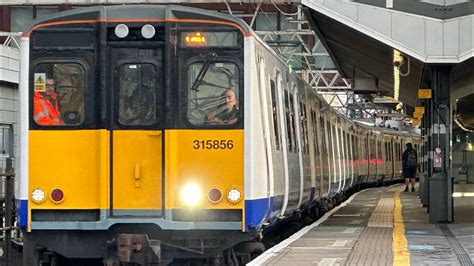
{"x":380,"y":226}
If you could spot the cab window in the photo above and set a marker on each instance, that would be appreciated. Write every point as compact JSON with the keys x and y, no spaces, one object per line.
{"x":213,"y":94}
{"x":58,"y":94}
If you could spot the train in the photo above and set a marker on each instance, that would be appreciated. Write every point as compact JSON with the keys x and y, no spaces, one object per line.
{"x":179,"y":134}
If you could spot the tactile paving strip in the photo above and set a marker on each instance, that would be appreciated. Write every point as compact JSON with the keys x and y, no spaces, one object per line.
{"x":382,"y":216}
{"x":462,"y":255}
{"x":373,"y":248}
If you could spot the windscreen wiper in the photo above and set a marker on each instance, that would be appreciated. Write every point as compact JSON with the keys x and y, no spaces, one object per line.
{"x":203,"y":71}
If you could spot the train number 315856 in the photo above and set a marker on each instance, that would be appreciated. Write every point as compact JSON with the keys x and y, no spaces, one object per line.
{"x":213,"y":144}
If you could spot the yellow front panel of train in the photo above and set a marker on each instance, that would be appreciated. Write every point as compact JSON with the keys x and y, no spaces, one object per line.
{"x":74,"y":161}
{"x":204,"y":159}
{"x":137,"y":181}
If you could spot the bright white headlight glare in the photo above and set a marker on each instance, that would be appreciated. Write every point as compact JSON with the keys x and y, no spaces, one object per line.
{"x":38,"y":195}
{"x":121,"y":30}
{"x":234,"y":195}
{"x":148,"y":31}
{"x":191,"y":194}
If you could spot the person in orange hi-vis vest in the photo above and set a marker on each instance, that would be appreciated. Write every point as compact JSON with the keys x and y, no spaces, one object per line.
{"x":46,"y":108}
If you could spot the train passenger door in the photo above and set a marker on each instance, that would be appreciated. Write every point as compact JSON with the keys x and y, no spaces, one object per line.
{"x":136,"y":135}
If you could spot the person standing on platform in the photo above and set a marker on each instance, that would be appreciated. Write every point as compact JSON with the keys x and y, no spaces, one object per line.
{"x":410,"y":166}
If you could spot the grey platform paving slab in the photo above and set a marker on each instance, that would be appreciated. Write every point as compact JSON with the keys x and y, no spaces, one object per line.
{"x":434,"y":250}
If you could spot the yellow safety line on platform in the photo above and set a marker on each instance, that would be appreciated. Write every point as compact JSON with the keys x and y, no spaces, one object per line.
{"x":401,"y":255}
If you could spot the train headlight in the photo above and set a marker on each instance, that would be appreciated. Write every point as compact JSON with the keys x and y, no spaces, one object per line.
{"x":38,"y":195}
{"x":148,"y":31}
{"x":121,"y":30}
{"x":234,"y":195}
{"x":191,"y":195}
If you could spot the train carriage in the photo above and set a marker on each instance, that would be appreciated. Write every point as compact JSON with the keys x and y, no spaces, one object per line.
{"x":178,"y":129}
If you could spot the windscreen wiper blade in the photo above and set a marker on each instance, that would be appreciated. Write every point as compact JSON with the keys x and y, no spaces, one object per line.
{"x":203,"y":71}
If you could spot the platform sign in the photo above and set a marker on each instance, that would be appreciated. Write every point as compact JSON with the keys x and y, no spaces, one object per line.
{"x":416,"y":122}
{"x":417,"y":115}
{"x":420,"y":110}
{"x":40,"y":82}
{"x":424,"y":94}
{"x":438,"y":158}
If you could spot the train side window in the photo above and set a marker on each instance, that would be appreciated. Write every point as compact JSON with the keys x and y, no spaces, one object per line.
{"x":353,"y":147}
{"x":275,"y":115}
{"x":348,"y":147}
{"x":395,"y":152}
{"x":389,"y":148}
{"x":304,"y":127}
{"x":288,"y":122}
{"x":323,"y":136}
{"x":137,"y":94}
{"x":342,"y":143}
{"x":334,"y":142}
{"x":400,"y":151}
{"x":380,"y":150}
{"x":293,"y":117}
{"x":315,"y":136}
{"x":389,"y":144}
{"x":213,"y":94}
{"x":59,"y":90}
{"x":299,"y":118}
{"x":367,"y":147}
{"x":331,"y":139}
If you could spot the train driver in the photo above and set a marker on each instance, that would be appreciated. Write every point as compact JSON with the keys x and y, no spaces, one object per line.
{"x":227,"y":115}
{"x":46,"y":107}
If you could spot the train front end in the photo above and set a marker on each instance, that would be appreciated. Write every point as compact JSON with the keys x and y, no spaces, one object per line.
{"x":132,"y":125}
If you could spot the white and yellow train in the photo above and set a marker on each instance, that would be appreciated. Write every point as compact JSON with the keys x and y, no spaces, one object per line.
{"x":180,"y":125}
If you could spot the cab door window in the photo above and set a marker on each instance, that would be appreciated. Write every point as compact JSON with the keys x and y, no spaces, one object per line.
{"x":137,"y":94}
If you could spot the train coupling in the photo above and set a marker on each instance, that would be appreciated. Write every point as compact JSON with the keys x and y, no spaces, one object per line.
{"x":132,"y":248}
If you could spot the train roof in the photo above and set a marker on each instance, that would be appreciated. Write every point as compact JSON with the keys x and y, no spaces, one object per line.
{"x":386,"y":130}
{"x":117,"y":13}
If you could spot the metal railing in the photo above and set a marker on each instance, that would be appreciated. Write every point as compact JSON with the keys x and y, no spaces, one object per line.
{"x":7,"y":198}
{"x":10,"y":39}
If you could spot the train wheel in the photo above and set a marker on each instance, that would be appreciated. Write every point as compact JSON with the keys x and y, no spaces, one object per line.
{"x":329,"y":204}
{"x":31,"y":252}
{"x":218,"y":260}
{"x":315,"y":212}
{"x":307,"y":220}
{"x":323,"y":208}
{"x":334,"y":201}
{"x":34,"y":254}
{"x":250,"y":248}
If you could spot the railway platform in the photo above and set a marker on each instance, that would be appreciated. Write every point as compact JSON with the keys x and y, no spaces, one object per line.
{"x":381,"y":226}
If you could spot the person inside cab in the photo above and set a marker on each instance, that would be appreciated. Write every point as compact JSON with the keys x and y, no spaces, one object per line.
{"x":228,"y":113}
{"x":46,"y":106}
{"x":410,"y":166}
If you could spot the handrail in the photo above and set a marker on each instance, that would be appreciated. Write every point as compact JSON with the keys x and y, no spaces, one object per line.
{"x":12,"y":39}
